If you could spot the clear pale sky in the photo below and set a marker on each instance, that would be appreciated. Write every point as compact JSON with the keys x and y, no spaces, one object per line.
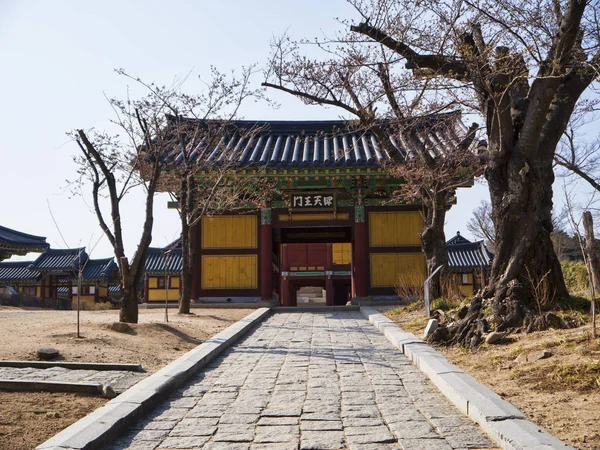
{"x":58,"y":61}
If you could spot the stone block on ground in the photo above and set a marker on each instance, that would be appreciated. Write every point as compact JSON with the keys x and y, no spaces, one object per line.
{"x":47,"y":353}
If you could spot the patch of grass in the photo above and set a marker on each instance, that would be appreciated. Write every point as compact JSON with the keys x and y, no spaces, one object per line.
{"x":513,"y":353}
{"x":495,"y":359}
{"x":415,"y":324}
{"x":445,"y":304}
{"x":575,"y":303}
{"x":582,"y":377}
{"x":411,"y":307}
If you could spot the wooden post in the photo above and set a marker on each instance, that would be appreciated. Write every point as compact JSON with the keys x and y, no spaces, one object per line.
{"x":284,"y":295}
{"x":593,"y":262}
{"x":266,"y":255}
{"x":329,"y":298}
{"x":359,"y":259}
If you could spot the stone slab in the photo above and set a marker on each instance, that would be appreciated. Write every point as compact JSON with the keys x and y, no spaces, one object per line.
{"x":497,"y":417}
{"x":50,"y":386}
{"x":73,"y":365}
{"x":106,"y":423}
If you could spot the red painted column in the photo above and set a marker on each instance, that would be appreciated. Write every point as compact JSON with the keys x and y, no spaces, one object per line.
{"x":266,"y":255}
{"x":196,"y":281}
{"x":284,"y":297}
{"x":359,"y":267}
{"x":329,"y":277}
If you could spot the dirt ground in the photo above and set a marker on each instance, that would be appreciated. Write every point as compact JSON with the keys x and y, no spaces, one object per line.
{"x":28,"y":419}
{"x":561,"y":393}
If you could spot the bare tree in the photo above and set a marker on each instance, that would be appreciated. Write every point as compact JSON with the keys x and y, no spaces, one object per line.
{"x":195,"y":125}
{"x":578,"y":156}
{"x":481,"y":224}
{"x":115,"y":166}
{"x":523,"y":66}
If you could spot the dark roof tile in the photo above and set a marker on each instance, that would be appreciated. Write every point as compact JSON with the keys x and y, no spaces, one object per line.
{"x":298,"y":144}
{"x":60,"y":260}
{"x":14,"y":271}
{"x":159,"y":259}
{"x":14,"y":242}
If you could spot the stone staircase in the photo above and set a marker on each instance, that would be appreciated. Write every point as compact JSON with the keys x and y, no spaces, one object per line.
{"x":310,"y":295}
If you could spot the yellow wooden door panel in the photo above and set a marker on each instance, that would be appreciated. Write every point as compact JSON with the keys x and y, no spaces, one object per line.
{"x":388,"y":269}
{"x":395,"y":228}
{"x":229,"y":272}
{"x":230,"y":231}
{"x":342,"y":253}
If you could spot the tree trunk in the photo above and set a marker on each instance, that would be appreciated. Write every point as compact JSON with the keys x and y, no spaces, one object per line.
{"x":591,"y":249}
{"x":526,"y":276}
{"x":129,"y":303}
{"x":593,"y":261}
{"x":434,"y":241}
{"x":187,"y":269}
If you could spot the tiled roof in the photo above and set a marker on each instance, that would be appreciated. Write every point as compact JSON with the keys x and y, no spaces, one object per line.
{"x":158,"y":258}
{"x":464,"y":254}
{"x":14,"y":242}
{"x":457,"y":239}
{"x":316,"y":143}
{"x":60,"y":260}
{"x":175,"y":244}
{"x":99,"y":269}
{"x":17,"y":271}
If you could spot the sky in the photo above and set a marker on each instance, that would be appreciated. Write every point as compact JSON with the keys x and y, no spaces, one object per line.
{"x":58,"y":68}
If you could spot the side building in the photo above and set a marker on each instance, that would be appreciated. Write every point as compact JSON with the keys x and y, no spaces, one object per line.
{"x":54,"y":276}
{"x":162,"y":274}
{"x":470,"y":262}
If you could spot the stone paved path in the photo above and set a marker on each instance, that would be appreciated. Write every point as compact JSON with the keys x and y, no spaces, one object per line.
{"x":308,"y":381}
{"x":118,"y":379}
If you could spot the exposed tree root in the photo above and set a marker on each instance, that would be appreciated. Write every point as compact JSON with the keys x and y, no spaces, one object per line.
{"x":469,"y":325}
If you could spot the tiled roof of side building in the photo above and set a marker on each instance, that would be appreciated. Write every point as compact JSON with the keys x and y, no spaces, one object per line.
{"x":60,"y":260}
{"x":315,"y":143}
{"x":457,"y":239}
{"x":161,"y":260}
{"x":14,"y":271}
{"x":99,"y":269}
{"x":464,"y":254}
{"x":14,"y":242}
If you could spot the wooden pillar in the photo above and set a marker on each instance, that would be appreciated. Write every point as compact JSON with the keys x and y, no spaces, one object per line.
{"x":70,"y":291}
{"x":329,"y":298}
{"x":266,"y":255}
{"x":197,"y":279}
{"x":359,"y":260}
{"x":284,"y":297}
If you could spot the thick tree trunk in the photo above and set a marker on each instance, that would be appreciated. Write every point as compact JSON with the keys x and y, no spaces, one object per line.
{"x":526,"y":275}
{"x":434,"y":241}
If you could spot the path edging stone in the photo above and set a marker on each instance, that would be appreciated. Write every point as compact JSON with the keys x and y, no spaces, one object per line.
{"x":105,"y":424}
{"x":73,"y":365}
{"x":50,"y":386}
{"x":500,"y":419}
